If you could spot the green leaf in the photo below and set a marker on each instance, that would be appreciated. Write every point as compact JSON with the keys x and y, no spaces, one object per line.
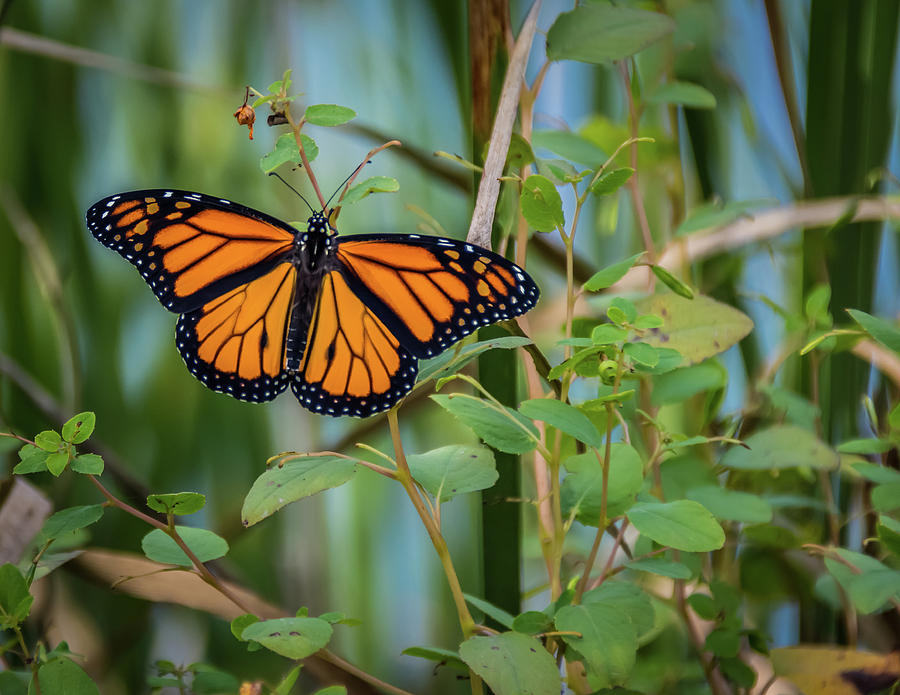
{"x":682,"y":524}
{"x":56,"y":463}
{"x":608,"y":334}
{"x":286,"y":150}
{"x":630,"y":598}
{"x":582,"y":488}
{"x":698,"y":328}
{"x":48,"y":440}
{"x":374,"y":184}
{"x":889,"y":533}
{"x":520,"y":153}
{"x":212,"y":681}
{"x":512,"y":664}
{"x":453,"y":470}
{"x":332,"y":690}
{"x":571,"y":146}
{"x":623,"y":309}
{"x":239,"y":624}
{"x":533,"y":622}
{"x":600,"y":33}
{"x":71,"y":519}
{"x":328,"y":114}
{"x":704,"y":606}
{"x":87,"y":464}
{"x":14,"y":682}
{"x":180,"y":503}
{"x":33,"y":460}
{"x":871,"y":590}
{"x":732,"y":505}
{"x":291,"y":481}
{"x":611,"y":181}
{"x":610,"y":275}
{"x":641,"y":354}
{"x":438,"y":654}
{"x":563,"y":417}
{"x":295,"y":638}
{"x":488,"y":608}
{"x":782,"y":446}
{"x":680,"y":384}
{"x":541,"y":204}
{"x":884,"y":332}
{"x":65,"y":677}
{"x":78,"y":428}
{"x":559,"y":171}
{"x":451,"y":361}
{"x":206,"y":545}
{"x":865,"y":446}
{"x":683,"y":93}
{"x":13,"y":596}
{"x":608,"y":641}
{"x":505,"y":430}
{"x":886,"y":497}
{"x":672,"y":282}
{"x":717,"y":215}
{"x":723,"y":642}
{"x":662,"y":567}
{"x":738,"y":672}
{"x":287,"y":683}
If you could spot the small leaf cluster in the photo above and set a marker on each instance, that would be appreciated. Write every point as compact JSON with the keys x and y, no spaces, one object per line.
{"x":53,"y":451}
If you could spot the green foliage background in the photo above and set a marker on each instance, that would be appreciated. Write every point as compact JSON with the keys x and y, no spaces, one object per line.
{"x":149,"y":105}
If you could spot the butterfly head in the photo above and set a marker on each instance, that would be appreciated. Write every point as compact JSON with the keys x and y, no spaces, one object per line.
{"x":318,"y":223}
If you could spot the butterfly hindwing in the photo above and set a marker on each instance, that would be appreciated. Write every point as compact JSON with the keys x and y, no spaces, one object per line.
{"x":236,"y":343}
{"x":352,"y":364}
{"x":430,"y":291}
{"x":189,"y":247}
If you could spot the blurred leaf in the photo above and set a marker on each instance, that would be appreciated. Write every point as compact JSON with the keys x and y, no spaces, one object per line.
{"x":206,"y":545}
{"x":71,"y":519}
{"x":738,"y":672}
{"x":559,"y":171}
{"x":889,"y":533}
{"x":180,"y":503}
{"x":661,"y":566}
{"x":782,"y":446}
{"x":78,"y":428}
{"x":15,"y":601}
{"x":608,"y":334}
{"x":507,"y":431}
{"x":698,"y":328}
{"x":295,"y":638}
{"x":451,"y":361}
{"x":14,"y":682}
{"x":571,"y":146}
{"x":683,"y":93}
{"x":681,"y":384}
{"x":732,"y":505}
{"x":641,"y":353}
{"x":673,"y":283}
{"x":532,"y":622}
{"x":596,"y":33}
{"x":541,"y":204}
{"x":453,"y":470}
{"x":512,"y":664}
{"x":294,"y":480}
{"x":563,"y":417}
{"x":610,"y":275}
{"x":723,"y":642}
{"x":682,"y":524}
{"x":375,"y":184}
{"x":242,"y":622}
{"x":871,"y":590}
{"x":328,"y":115}
{"x":212,"y":681}
{"x":885,"y":333}
{"x":865,"y":446}
{"x":286,"y":684}
{"x":718,"y":215}
{"x":582,"y":488}
{"x":632,"y":599}
{"x":886,"y":497}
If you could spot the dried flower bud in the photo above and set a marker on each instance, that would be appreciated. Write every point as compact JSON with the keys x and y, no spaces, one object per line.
{"x":245,"y":115}
{"x":277,"y":119}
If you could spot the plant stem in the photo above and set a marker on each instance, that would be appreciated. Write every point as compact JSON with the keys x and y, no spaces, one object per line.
{"x":333,"y":658}
{"x":404,"y":477}
{"x":295,"y":129}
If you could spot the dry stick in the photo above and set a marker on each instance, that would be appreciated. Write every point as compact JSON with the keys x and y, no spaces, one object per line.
{"x":489,"y":187}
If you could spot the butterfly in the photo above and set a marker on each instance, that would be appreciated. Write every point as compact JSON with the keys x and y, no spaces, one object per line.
{"x":341,"y":320}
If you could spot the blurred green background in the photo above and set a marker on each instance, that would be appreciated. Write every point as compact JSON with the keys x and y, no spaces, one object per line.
{"x":107,"y":96}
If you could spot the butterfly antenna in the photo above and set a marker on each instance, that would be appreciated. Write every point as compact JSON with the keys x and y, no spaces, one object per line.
{"x":278,"y":176}
{"x":352,"y":174}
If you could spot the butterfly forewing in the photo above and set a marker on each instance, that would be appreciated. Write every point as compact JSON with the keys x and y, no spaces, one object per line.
{"x":429,"y":291}
{"x":189,"y":247}
{"x":353,"y":364}
{"x":236,"y":343}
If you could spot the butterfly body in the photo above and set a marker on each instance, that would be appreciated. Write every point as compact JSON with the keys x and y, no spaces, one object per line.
{"x":341,"y":320}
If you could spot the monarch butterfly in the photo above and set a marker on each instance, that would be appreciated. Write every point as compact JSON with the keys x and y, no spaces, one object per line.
{"x":342,"y":320}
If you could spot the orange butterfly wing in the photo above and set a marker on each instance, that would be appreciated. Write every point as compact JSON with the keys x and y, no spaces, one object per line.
{"x":429,"y":291}
{"x":237,"y":343}
{"x":352,"y":363}
{"x":189,"y":247}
